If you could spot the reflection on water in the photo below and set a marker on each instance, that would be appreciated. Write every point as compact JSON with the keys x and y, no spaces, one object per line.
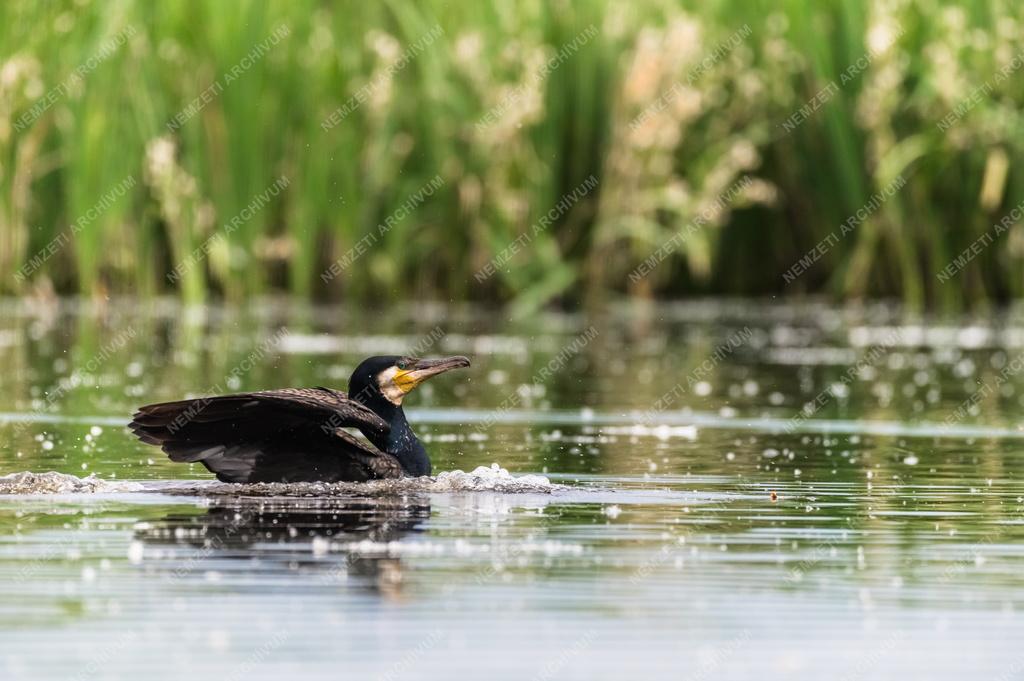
{"x":840,"y":493}
{"x":323,"y":540}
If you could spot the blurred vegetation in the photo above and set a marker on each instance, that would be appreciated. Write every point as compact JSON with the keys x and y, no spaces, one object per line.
{"x":813,"y":107}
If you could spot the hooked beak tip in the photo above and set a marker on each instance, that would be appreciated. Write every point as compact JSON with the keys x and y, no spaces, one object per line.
{"x":460,"y":362}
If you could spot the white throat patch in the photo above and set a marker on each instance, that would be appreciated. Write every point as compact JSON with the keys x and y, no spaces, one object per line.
{"x":388,"y":388}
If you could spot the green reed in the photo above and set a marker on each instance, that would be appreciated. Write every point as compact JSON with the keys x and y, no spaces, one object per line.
{"x":204,"y":105}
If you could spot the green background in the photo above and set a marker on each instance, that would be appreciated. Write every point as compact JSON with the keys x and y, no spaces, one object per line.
{"x":811,"y":108}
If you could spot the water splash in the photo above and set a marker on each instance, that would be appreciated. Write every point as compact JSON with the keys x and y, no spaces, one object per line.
{"x":28,"y":482}
{"x":482,"y":479}
{"x":491,"y":479}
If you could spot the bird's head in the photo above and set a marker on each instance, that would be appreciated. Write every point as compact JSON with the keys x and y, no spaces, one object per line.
{"x":393,"y":377}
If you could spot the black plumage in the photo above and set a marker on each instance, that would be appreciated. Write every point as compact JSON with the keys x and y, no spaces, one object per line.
{"x":299,"y":434}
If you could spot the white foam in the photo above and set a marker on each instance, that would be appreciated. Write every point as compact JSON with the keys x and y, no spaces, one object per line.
{"x":491,"y":479}
{"x":28,"y":482}
{"x":482,"y":479}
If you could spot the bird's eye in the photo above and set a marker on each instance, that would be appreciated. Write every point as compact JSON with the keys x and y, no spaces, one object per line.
{"x":403,"y":365}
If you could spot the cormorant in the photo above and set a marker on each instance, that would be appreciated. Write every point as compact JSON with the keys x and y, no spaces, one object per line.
{"x":298,"y":434}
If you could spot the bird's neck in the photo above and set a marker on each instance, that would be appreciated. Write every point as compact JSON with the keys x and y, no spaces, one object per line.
{"x":406,"y":447}
{"x":401,"y":441}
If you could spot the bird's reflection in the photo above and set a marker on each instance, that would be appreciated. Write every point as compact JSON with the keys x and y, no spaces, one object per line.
{"x":323,"y":541}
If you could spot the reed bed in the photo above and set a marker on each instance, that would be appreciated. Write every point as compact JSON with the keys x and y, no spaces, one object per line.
{"x":437,"y":149}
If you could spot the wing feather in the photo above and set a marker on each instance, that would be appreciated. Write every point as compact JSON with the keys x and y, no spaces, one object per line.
{"x":274,"y":435}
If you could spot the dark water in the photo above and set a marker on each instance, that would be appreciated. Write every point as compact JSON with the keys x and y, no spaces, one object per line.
{"x":694,"y":525}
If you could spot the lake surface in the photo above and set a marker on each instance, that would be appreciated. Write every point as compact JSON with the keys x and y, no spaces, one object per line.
{"x":731,"y":489}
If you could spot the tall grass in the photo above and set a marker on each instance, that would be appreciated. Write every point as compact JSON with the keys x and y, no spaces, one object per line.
{"x":659,"y":101}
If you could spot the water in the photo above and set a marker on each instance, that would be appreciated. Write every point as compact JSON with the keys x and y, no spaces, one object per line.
{"x":681,"y":523}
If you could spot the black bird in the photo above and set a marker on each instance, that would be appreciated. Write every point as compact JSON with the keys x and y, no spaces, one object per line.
{"x":298,"y":434}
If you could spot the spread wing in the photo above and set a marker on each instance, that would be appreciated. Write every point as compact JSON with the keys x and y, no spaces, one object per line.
{"x":289,"y":435}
